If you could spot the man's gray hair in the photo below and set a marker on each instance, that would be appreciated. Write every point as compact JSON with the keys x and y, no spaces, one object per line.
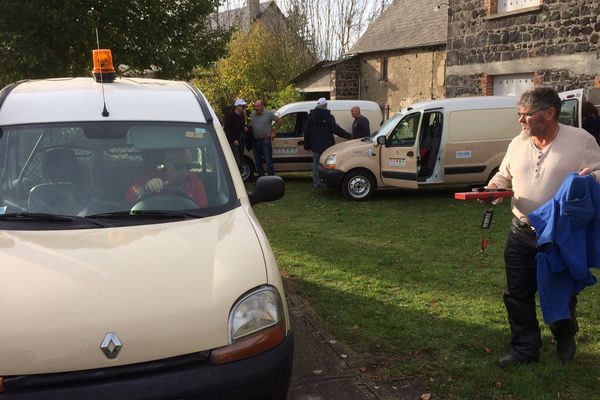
{"x":541,"y":98}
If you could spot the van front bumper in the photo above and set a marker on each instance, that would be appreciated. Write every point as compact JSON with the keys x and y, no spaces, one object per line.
{"x":330,"y":178}
{"x":265,"y":376}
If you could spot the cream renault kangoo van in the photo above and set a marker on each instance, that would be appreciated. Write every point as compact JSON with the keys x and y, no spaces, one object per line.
{"x":113,"y":287}
{"x":458,"y":141}
{"x":288,"y":147}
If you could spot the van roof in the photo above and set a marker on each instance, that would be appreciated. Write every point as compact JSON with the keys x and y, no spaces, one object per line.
{"x":333,"y":105}
{"x":461,"y":103}
{"x":80,"y":99}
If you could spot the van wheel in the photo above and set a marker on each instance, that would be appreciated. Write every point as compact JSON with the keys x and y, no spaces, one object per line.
{"x":494,"y":171}
{"x":359,"y":185}
{"x":247,"y":169}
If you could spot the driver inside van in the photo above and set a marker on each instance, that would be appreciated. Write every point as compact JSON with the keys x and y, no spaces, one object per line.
{"x":173,"y":175}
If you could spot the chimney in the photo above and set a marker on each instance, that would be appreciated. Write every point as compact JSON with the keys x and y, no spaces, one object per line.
{"x":253,"y":10}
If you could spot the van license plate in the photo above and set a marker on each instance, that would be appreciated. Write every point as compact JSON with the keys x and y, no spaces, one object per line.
{"x":285,"y":150}
{"x":397,"y":162}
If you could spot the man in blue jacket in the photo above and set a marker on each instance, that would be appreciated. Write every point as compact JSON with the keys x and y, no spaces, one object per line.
{"x":535,"y":165}
{"x":318,"y":135}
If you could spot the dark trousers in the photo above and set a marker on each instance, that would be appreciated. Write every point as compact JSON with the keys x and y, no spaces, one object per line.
{"x":237,"y":153}
{"x":519,"y":295}
{"x":263,"y":151}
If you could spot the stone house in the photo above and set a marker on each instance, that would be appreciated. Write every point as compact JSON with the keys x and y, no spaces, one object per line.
{"x":498,"y":47}
{"x":272,"y":18}
{"x":399,"y":60}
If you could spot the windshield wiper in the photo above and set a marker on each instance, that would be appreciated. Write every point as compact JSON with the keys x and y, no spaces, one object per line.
{"x":45,"y":217}
{"x":166,"y":214}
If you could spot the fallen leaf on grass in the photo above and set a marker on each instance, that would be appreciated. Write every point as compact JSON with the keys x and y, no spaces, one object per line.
{"x":425,"y":396}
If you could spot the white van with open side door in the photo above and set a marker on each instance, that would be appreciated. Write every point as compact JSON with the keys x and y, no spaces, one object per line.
{"x":459,"y":141}
{"x":572,"y":102}
{"x":132,"y":265}
{"x":288,"y":146}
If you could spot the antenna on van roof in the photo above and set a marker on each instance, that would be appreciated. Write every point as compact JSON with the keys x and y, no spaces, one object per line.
{"x":105,"y":112}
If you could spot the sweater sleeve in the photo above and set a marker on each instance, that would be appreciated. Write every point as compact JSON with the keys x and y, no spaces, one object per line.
{"x":336,"y":129}
{"x":592,"y":157}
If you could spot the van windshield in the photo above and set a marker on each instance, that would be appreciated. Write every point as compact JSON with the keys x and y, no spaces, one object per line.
{"x":121,"y":173}
{"x":386,"y":127}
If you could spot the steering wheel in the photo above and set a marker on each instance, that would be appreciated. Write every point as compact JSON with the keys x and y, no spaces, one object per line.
{"x":166,"y":199}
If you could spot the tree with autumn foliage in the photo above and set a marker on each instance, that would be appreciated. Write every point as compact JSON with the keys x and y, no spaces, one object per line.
{"x":55,"y":38}
{"x":259,"y":65}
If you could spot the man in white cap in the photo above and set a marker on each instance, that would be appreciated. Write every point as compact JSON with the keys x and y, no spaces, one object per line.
{"x":318,"y":135}
{"x":235,"y":125}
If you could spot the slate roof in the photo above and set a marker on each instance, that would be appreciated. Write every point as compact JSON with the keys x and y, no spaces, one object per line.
{"x":235,"y":17}
{"x":405,"y":24}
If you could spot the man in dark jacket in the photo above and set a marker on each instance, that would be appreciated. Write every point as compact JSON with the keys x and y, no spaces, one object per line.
{"x":360,"y":126}
{"x":235,"y":123}
{"x":318,"y":135}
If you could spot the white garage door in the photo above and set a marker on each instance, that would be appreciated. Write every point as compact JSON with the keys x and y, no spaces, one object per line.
{"x":512,"y":85}
{"x":510,"y":5}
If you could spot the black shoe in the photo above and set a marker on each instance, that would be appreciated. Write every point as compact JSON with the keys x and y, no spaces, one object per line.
{"x":566,"y":349}
{"x":514,"y":359}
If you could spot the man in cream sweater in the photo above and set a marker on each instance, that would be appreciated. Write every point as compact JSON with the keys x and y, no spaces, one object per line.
{"x":534,"y":167}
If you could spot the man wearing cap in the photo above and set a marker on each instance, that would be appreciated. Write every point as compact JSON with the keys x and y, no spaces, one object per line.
{"x":235,"y":123}
{"x":263,"y":131}
{"x":318,"y":135}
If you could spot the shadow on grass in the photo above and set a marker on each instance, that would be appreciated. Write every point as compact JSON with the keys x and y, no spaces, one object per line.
{"x":456,"y":359}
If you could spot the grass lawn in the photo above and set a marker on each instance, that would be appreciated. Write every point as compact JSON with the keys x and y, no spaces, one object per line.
{"x":401,"y":278}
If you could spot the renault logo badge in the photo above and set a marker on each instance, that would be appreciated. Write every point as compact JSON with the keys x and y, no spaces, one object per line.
{"x":111,"y":345}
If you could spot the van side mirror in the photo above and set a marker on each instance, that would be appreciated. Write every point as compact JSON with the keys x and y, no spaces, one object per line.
{"x":381,"y":140}
{"x":267,"y":188}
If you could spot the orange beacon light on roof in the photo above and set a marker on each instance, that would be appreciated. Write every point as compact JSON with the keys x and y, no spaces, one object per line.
{"x":103,"y":66}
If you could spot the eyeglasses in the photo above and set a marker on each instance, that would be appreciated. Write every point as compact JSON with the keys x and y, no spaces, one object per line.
{"x":530,"y":113}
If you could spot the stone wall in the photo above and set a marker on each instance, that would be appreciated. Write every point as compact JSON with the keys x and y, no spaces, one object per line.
{"x":345,"y":80}
{"x":557,"y":40}
{"x":413,"y":75}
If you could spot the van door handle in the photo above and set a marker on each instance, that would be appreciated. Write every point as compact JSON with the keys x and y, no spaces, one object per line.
{"x":410,"y":154}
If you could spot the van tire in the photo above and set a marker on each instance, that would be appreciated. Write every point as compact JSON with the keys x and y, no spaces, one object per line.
{"x":247,"y":169}
{"x":494,"y":171}
{"x":359,"y":185}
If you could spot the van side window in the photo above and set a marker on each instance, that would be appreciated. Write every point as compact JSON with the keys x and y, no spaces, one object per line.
{"x":568,"y":112}
{"x":405,"y":133}
{"x":292,"y":125}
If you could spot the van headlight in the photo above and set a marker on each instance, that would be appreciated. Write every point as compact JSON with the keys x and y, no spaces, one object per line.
{"x":330,"y":161}
{"x":256,"y":324}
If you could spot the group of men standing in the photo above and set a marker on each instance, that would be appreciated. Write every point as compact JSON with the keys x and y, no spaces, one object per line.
{"x":259,"y":132}
{"x":262,"y":129}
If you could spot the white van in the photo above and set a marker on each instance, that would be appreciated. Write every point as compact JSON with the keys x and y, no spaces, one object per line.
{"x":572,"y":102}
{"x":171,"y":294}
{"x":288,"y":147}
{"x":458,"y":141}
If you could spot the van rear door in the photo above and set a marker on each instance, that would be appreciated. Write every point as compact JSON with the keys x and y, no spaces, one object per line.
{"x":570,"y":112}
{"x":399,"y":157}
